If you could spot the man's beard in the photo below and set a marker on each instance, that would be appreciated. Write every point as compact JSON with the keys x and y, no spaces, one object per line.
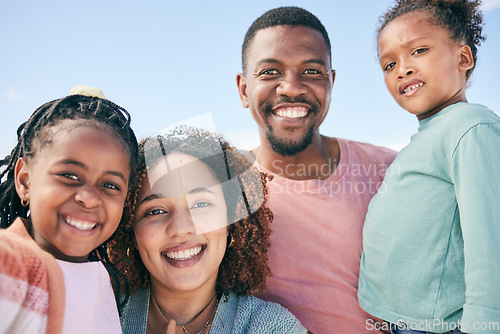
{"x":287,"y":147}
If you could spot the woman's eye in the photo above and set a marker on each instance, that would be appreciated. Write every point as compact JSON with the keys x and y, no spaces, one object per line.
{"x":200,"y":205}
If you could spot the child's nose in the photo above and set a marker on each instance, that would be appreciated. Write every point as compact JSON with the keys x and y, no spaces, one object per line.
{"x":405,"y":69}
{"x":88,"y":196}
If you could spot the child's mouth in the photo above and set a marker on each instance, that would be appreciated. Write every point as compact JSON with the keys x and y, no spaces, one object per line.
{"x":80,"y":224}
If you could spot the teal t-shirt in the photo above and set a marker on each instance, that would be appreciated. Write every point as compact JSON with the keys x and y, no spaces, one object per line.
{"x":431,"y":238}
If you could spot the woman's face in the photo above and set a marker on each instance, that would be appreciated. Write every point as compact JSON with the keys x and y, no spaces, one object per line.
{"x":179,"y":197}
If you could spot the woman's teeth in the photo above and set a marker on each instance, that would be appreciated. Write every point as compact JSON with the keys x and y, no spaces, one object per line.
{"x":184,"y":254}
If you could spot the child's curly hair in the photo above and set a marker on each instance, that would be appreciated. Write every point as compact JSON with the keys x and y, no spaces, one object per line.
{"x":461,"y":18}
{"x":244,"y":268}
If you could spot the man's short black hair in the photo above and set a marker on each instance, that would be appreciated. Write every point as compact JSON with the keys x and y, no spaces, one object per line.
{"x":289,"y":15}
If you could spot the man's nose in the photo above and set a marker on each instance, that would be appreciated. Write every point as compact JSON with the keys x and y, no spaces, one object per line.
{"x":291,"y":85}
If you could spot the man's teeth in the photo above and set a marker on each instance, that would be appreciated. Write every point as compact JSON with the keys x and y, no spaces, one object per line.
{"x":184,"y":254}
{"x":292,"y":112}
{"x":412,"y":87}
{"x":80,"y":224}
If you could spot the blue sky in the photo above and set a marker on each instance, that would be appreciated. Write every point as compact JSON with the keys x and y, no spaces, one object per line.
{"x":166,"y":61}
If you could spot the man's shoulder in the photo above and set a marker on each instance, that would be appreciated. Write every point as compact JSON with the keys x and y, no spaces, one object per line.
{"x":367,"y":150}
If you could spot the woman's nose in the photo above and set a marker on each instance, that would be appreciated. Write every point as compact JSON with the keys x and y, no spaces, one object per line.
{"x":181,"y":223}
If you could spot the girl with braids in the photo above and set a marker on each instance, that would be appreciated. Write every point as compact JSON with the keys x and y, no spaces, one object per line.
{"x":197,"y":241}
{"x":62,"y":195}
{"x":431,"y":259}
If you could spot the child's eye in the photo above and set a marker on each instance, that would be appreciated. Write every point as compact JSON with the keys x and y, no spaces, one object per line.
{"x":420,"y":51}
{"x":155,"y":212}
{"x":69,"y":176}
{"x":389,"y":66}
{"x":112,"y":186}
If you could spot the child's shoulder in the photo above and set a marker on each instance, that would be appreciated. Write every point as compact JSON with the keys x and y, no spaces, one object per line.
{"x":473,"y":113}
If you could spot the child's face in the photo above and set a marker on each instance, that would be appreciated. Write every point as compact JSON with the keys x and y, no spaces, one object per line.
{"x":170,"y":205}
{"x":424,"y":69}
{"x":76,"y":186}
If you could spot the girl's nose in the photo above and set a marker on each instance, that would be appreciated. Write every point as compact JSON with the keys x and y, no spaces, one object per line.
{"x":88,"y":196}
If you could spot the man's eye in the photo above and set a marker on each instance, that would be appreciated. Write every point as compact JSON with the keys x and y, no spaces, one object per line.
{"x":311,"y":71}
{"x":269,"y":72}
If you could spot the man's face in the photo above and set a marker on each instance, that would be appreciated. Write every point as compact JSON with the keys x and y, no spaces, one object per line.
{"x":287,"y":85}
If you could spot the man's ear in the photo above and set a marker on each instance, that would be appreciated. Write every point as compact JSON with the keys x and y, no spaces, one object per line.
{"x":466,"y":59}
{"x":241,"y":81}
{"x":22,"y":179}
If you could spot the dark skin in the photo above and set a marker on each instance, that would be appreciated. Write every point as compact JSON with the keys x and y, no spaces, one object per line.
{"x":424,"y":69}
{"x":290,"y":77}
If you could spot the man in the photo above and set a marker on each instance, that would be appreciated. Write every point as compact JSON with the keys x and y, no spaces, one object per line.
{"x":322,"y":185}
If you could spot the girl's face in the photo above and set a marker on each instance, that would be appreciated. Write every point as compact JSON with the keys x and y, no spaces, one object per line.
{"x":172,"y":204}
{"x":424,"y":69}
{"x":76,"y":185}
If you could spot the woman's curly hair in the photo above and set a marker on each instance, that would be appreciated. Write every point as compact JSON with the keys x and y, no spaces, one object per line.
{"x":461,"y":18}
{"x":244,"y":268}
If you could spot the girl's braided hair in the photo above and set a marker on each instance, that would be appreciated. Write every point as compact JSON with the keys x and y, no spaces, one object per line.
{"x":244,"y":268}
{"x":39,"y":131}
{"x":461,"y":18}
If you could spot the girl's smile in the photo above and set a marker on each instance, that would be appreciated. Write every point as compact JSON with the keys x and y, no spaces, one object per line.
{"x":77,"y":186}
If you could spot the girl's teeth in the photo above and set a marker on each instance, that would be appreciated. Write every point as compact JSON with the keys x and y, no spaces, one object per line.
{"x":80,"y":224}
{"x":184,"y":254}
{"x":407,"y":89}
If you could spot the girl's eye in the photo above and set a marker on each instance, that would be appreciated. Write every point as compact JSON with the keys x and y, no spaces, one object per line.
{"x":199,"y":205}
{"x":389,"y":66}
{"x":111,"y":186}
{"x":420,"y":51}
{"x":69,"y":176}
{"x":155,"y":212}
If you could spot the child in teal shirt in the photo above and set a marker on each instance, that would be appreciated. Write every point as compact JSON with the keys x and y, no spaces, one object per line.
{"x":431,"y":261}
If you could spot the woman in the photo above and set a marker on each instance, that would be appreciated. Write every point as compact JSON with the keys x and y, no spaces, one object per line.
{"x":197,"y":241}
